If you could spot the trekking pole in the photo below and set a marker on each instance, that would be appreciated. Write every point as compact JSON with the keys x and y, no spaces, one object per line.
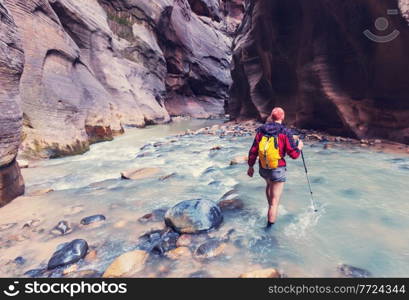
{"x":309,"y":184}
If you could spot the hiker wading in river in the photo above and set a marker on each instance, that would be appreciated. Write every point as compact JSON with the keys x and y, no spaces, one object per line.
{"x":272,"y":142}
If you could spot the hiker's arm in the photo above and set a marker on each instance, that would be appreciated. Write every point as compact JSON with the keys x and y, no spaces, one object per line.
{"x":291,"y":147}
{"x":253,"y":153}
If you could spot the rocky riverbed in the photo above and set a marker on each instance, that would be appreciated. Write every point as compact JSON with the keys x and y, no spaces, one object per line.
{"x":116,"y":210}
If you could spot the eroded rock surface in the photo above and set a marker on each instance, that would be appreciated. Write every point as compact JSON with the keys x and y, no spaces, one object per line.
{"x":11,"y":116}
{"x":78,"y":72}
{"x":94,"y":66}
{"x":312,"y":58}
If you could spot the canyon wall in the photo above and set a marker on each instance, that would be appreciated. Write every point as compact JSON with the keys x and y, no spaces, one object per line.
{"x":76,"y":72}
{"x":95,"y":66}
{"x":313,"y":59}
{"x":11,"y":116}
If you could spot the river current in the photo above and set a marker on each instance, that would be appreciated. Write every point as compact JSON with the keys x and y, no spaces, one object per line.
{"x":362,"y":196}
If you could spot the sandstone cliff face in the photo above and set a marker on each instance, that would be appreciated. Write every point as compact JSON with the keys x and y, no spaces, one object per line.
{"x":95,"y":66}
{"x":77,"y":72}
{"x":11,"y":67}
{"x":312,"y":58}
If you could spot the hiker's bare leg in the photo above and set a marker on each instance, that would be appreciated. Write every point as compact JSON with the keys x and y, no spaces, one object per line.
{"x":268,"y":190}
{"x":276,"y":189}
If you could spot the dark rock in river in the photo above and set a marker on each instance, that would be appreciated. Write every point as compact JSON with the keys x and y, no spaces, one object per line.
{"x":20,"y":260}
{"x":353,"y":272}
{"x":158,"y":241}
{"x":92,"y":219}
{"x":193,"y":216}
{"x":68,"y":253}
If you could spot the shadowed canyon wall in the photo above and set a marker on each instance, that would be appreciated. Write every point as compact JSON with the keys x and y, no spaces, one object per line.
{"x":312,"y":58}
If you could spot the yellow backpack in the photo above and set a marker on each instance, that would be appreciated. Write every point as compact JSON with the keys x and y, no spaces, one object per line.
{"x":268,"y":152}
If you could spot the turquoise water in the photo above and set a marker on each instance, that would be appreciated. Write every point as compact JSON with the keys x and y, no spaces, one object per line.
{"x":362,"y":196}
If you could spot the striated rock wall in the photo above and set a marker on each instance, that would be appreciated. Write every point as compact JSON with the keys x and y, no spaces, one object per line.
{"x":94,"y":66}
{"x":312,"y":58}
{"x":11,"y":67}
{"x":76,"y":72}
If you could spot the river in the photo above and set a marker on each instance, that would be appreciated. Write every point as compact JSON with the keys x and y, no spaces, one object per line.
{"x":362,"y":195}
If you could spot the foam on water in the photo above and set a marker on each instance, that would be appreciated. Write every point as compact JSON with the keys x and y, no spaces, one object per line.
{"x":362,"y":218}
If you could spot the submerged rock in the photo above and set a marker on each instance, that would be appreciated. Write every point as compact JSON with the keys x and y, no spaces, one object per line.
{"x":126,"y":264}
{"x":62,"y":228}
{"x":265,"y":273}
{"x":92,"y":219}
{"x":156,"y":215}
{"x":353,"y":272}
{"x":210,"y":249}
{"x":239,"y":160}
{"x":193,"y":216}
{"x":230,"y":201}
{"x":68,"y":253}
{"x":178,"y":253}
{"x":184,"y":240}
{"x":231,"y":204}
{"x":158,"y":241}
{"x":136,"y":174}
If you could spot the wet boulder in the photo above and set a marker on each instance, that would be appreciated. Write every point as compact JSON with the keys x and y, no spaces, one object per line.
{"x":68,"y":253}
{"x":158,"y":241}
{"x":352,"y":272}
{"x":92,"y":219}
{"x":194,"y":216}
